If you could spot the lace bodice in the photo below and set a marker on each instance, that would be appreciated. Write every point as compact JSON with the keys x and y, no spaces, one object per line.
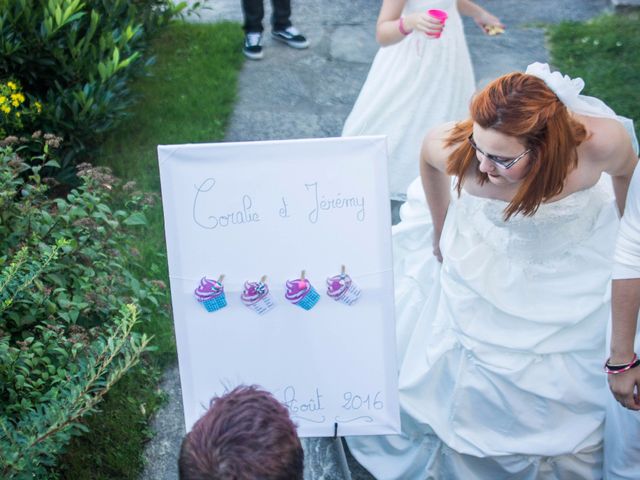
{"x":553,"y":230}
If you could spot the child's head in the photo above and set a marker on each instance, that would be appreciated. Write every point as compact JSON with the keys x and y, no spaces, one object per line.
{"x":245,"y":434}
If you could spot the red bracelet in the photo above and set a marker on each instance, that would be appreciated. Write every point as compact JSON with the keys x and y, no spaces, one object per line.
{"x":401,"y":27}
{"x":615,"y":369}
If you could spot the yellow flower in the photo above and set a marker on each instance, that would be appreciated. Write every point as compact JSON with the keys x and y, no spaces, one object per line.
{"x":12,"y":86}
{"x":38,"y":107}
{"x":15,"y":103}
{"x":5,"y":109}
{"x":3,"y":99}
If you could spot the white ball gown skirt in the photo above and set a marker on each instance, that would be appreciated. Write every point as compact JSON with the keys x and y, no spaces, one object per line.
{"x":500,"y":347}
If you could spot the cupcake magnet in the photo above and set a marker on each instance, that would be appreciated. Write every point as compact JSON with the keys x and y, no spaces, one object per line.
{"x":300,"y":292}
{"x":210,"y":293}
{"x":342,"y":288}
{"x":256,"y":296}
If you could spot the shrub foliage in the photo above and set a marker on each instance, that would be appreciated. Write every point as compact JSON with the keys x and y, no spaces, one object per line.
{"x":77,"y":58}
{"x":67,"y":314}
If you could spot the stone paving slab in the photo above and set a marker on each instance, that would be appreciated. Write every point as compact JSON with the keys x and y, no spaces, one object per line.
{"x":309,"y":93}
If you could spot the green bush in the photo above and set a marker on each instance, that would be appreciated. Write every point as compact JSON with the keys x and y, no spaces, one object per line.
{"x":92,"y":281}
{"x":67,"y":289}
{"x":77,"y":57}
{"x":77,"y":375}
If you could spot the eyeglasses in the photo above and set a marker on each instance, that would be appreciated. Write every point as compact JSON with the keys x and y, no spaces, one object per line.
{"x":502,"y":162}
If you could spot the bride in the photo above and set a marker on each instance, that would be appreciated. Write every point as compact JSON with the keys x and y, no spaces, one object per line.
{"x":501,"y":331}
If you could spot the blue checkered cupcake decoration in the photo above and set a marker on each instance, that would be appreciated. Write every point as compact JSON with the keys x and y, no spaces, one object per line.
{"x":216,"y":303}
{"x":300,"y":292}
{"x":210,"y":293}
{"x":310,"y":299}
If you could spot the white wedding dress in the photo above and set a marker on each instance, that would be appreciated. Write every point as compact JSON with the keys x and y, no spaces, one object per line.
{"x":412,"y":86}
{"x":501,"y":346}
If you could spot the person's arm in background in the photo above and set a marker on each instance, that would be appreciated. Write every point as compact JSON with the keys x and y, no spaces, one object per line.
{"x":625,"y":305}
{"x":435,"y":181}
{"x":625,"y":301}
{"x":390,"y":26}
{"x":483,"y":18}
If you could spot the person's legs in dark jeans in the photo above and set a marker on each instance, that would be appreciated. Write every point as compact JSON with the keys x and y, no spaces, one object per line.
{"x":253,"y":11}
{"x":280,"y":19}
{"x":281,"y":28}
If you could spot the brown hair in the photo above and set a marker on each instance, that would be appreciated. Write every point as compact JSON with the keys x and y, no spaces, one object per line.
{"x":522,"y":106}
{"x":245,"y":435}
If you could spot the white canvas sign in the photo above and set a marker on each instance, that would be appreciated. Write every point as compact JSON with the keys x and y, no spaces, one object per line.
{"x":250,"y":210}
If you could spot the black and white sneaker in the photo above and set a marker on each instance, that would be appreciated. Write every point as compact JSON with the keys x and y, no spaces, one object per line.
{"x":253,"y":46}
{"x":291,"y":36}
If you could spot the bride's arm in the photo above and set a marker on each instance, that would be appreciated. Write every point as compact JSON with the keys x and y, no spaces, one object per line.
{"x":612,"y":149}
{"x":435,"y":181}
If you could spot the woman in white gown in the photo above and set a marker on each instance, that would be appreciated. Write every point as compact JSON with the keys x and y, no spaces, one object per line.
{"x":501,"y":345}
{"x":416,"y":81}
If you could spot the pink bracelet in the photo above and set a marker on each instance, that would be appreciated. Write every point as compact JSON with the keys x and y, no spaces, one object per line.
{"x":615,"y":369}
{"x":401,"y":27}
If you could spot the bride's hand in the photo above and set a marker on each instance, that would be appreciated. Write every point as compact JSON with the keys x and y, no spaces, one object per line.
{"x":423,"y":22}
{"x":436,"y":249}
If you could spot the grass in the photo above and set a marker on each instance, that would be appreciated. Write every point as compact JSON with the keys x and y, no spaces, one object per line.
{"x":187,"y":97}
{"x":605,"y":53}
{"x":117,"y":434}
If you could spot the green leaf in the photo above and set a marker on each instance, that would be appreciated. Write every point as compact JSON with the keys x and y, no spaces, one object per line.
{"x":136,"y":218}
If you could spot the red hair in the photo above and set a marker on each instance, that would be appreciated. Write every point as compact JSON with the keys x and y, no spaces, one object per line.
{"x":245,"y":435}
{"x":522,"y":106}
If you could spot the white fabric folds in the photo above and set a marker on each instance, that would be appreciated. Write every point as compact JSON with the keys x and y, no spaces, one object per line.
{"x":501,"y":347}
{"x":413,"y":86}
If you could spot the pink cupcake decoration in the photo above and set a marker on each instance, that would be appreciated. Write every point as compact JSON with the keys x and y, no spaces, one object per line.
{"x":210,"y":293}
{"x":342,"y":288}
{"x":256,"y":296}
{"x":300,"y":292}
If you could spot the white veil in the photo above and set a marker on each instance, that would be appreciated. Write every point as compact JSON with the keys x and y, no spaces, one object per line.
{"x":568,"y":91}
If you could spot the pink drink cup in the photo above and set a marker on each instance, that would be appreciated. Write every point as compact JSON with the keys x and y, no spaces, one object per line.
{"x":438,"y":15}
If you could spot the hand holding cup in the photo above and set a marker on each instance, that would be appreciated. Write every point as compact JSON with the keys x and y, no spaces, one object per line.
{"x":425,"y":23}
{"x":441,"y":16}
